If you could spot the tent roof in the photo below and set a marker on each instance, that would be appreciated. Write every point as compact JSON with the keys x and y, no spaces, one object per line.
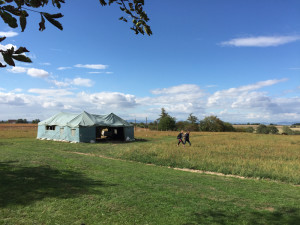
{"x":85,"y":119}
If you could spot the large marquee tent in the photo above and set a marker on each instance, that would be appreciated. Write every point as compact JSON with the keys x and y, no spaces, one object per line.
{"x":84,"y":127}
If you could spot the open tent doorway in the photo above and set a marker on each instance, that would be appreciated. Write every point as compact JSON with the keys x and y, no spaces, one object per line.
{"x":110,"y":133}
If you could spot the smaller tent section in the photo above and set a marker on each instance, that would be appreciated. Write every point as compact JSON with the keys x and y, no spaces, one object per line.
{"x":85,"y":127}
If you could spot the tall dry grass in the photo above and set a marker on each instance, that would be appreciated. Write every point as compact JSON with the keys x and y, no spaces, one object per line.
{"x":276,"y":157}
{"x":252,"y":155}
{"x":18,"y":130}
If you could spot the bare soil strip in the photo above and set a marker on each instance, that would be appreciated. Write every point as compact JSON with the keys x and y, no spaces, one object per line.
{"x":181,"y":169}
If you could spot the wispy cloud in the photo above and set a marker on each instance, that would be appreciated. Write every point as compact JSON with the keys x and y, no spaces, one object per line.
{"x":17,"y":90}
{"x":76,"y":81}
{"x":92,"y":66}
{"x":100,"y":72}
{"x":64,"y":68}
{"x":260,"y":41}
{"x":37,"y":72}
{"x":82,"y":82}
{"x":45,"y":64}
{"x":50,"y":92}
{"x":237,"y":104}
{"x":33,"y":72}
{"x":224,"y":98}
{"x":184,"y":88}
{"x":8,"y":34}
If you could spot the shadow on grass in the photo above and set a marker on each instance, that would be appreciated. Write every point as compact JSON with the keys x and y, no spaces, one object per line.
{"x":290,"y":216}
{"x":25,"y":185}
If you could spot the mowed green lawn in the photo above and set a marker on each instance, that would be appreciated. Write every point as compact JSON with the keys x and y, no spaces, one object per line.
{"x":45,"y":182}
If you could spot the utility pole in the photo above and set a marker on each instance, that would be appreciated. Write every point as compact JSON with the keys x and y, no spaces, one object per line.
{"x":146,"y":123}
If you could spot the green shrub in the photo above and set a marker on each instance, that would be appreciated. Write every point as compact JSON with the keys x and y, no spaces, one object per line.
{"x":214,"y":124}
{"x":287,"y":130}
{"x":262,"y":129}
{"x":272,"y":129}
{"x":249,"y":130}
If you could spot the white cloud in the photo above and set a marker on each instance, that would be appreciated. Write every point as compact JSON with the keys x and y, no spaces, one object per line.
{"x":8,"y":46}
{"x":225,"y":97}
{"x":184,"y":88}
{"x":177,"y":100}
{"x":111,"y":99}
{"x":76,"y":81}
{"x":17,"y":90}
{"x":60,"y":83}
{"x":100,"y":72}
{"x":50,"y":92}
{"x":45,"y":64}
{"x":18,"y":69}
{"x":37,"y":72}
{"x":64,"y":68}
{"x":238,"y":104}
{"x":92,"y":66}
{"x":13,"y":99}
{"x":33,"y":72}
{"x":52,"y":104}
{"x":260,"y":41}
{"x":82,"y":82}
{"x":8,"y":34}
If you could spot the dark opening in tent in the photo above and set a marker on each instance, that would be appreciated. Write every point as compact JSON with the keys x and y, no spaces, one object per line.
{"x":85,"y":127}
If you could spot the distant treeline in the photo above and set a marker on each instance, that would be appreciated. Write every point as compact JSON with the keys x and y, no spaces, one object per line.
{"x":21,"y":121}
{"x":211,"y":124}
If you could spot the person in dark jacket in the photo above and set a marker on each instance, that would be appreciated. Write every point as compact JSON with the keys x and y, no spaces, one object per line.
{"x":187,"y":138}
{"x":179,"y":137}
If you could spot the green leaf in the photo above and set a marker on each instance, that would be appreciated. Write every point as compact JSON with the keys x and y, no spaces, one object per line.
{"x":57,"y":3}
{"x":103,"y":3}
{"x":7,"y":56}
{"x":57,"y":15}
{"x":21,"y":50}
{"x":22,"y":58}
{"x":2,"y":39}
{"x":53,"y":21}
{"x":42,"y":23}
{"x":23,"y":22}
{"x":19,"y":3}
{"x":9,"y":19}
{"x":12,"y":10}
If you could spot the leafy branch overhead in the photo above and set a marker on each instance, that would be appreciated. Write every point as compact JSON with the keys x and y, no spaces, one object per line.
{"x":12,"y":11}
{"x":134,"y":10}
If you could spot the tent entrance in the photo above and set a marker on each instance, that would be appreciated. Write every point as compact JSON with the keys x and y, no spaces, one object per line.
{"x":109,"y":133}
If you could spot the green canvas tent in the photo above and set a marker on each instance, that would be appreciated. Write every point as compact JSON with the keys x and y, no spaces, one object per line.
{"x":84,"y":127}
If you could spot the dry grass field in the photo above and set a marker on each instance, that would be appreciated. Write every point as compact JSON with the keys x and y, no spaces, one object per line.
{"x":48,"y":182}
{"x":18,"y":130}
{"x":275,"y":157}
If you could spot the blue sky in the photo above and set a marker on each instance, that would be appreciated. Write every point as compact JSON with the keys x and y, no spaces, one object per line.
{"x":238,"y":60}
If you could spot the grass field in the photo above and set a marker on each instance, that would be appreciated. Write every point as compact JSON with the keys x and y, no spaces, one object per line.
{"x":45,"y":182}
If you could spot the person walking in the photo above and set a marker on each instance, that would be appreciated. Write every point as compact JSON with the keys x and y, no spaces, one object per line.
{"x":187,"y":137}
{"x":179,"y":137}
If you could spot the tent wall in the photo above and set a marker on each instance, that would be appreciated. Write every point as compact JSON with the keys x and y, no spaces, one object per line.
{"x":87,"y":134}
{"x":59,"y":133}
{"x":129,"y":132}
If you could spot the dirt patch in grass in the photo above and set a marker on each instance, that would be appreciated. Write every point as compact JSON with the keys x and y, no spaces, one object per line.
{"x":174,"y":168}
